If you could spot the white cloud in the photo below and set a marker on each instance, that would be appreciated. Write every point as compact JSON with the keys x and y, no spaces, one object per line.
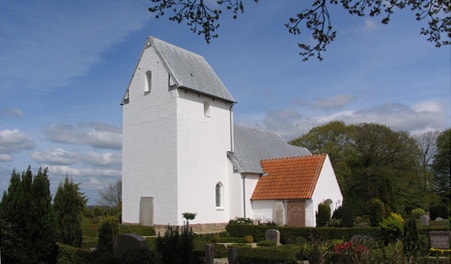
{"x":83,"y":172}
{"x":5,"y":157}
{"x":14,"y":140}
{"x":421,"y":117}
{"x":334,"y":103}
{"x":98,"y":135}
{"x":369,"y":25}
{"x":103,"y":159}
{"x":55,"y":157}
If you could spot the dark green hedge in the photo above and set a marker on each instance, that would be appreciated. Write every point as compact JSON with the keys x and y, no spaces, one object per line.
{"x":273,"y":255}
{"x":72,"y":255}
{"x":137,"y":230}
{"x":289,"y":235}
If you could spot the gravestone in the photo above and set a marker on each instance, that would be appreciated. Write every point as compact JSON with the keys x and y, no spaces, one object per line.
{"x":440,"y":239}
{"x":127,"y":242}
{"x":424,"y":220}
{"x":273,"y":235}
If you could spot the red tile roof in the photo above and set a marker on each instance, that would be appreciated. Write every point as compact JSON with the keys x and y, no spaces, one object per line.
{"x":289,"y":178}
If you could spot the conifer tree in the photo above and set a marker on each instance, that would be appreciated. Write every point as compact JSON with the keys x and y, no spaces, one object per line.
{"x":68,"y":205}
{"x":28,"y":219}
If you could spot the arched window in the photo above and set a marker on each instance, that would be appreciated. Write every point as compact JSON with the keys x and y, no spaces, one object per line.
{"x":219,"y":195}
{"x":148,"y":82}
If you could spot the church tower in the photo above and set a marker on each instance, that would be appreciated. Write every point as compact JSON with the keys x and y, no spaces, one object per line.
{"x":177,"y":130}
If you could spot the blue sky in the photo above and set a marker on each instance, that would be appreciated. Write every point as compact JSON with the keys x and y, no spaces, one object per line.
{"x":64,"y":66}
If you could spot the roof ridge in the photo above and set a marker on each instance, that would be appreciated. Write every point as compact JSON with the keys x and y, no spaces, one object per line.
{"x":294,"y":157}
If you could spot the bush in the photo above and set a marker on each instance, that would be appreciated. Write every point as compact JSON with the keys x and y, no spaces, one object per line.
{"x":439,"y":209}
{"x":176,"y":247}
{"x":141,"y":256}
{"x":417,"y":212}
{"x":109,"y":228}
{"x":137,"y":230}
{"x":282,"y":255}
{"x":68,"y":255}
{"x":266,"y":243}
{"x":323,"y":215}
{"x":376,"y":211}
{"x":248,"y":239}
{"x":392,"y":228}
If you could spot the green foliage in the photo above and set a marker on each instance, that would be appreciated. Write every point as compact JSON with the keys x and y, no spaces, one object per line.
{"x":137,"y":230}
{"x":439,"y":209}
{"x":290,"y":235}
{"x":176,"y":247}
{"x":417,"y":212}
{"x":371,"y":153}
{"x":345,"y":214}
{"x":189,"y":216}
{"x":141,"y":256}
{"x":323,"y":215}
{"x":72,"y":255}
{"x":241,"y":221}
{"x":392,"y":228}
{"x":441,"y":164}
{"x":376,"y":210}
{"x":266,"y":243}
{"x":283,"y":255}
{"x":68,"y":206}
{"x":109,"y":228}
{"x":28,"y":222}
{"x":248,"y":239}
{"x":414,"y":244}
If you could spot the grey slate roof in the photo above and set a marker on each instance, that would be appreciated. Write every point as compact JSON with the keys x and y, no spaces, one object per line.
{"x":190,"y":70}
{"x":252,"y":145}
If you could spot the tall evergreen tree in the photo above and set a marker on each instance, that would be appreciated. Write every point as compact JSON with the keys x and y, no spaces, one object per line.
{"x":68,"y":205}
{"x":28,"y":217}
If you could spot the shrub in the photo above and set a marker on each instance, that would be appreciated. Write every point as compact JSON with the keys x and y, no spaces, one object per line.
{"x":109,"y":227}
{"x":376,"y":211}
{"x":176,"y":247}
{"x":266,"y":243}
{"x":417,"y":212}
{"x":248,"y":239}
{"x":141,"y":256}
{"x":323,"y":215}
{"x":282,"y":255}
{"x":439,"y":209}
{"x":137,"y":229}
{"x":392,"y":228}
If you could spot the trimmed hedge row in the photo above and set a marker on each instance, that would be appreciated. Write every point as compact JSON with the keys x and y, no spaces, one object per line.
{"x":280,"y":255}
{"x":289,"y":235}
{"x":72,"y":255}
{"x":137,"y":230}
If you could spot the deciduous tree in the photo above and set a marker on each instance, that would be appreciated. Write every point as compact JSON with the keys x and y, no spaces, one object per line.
{"x":111,"y":195}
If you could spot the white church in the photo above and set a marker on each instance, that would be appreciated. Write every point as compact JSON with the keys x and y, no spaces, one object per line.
{"x":183,"y":153}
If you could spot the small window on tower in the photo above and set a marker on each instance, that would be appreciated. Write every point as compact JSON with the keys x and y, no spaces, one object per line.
{"x":219,"y":195}
{"x":207,"y":108}
{"x":148,"y":82}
